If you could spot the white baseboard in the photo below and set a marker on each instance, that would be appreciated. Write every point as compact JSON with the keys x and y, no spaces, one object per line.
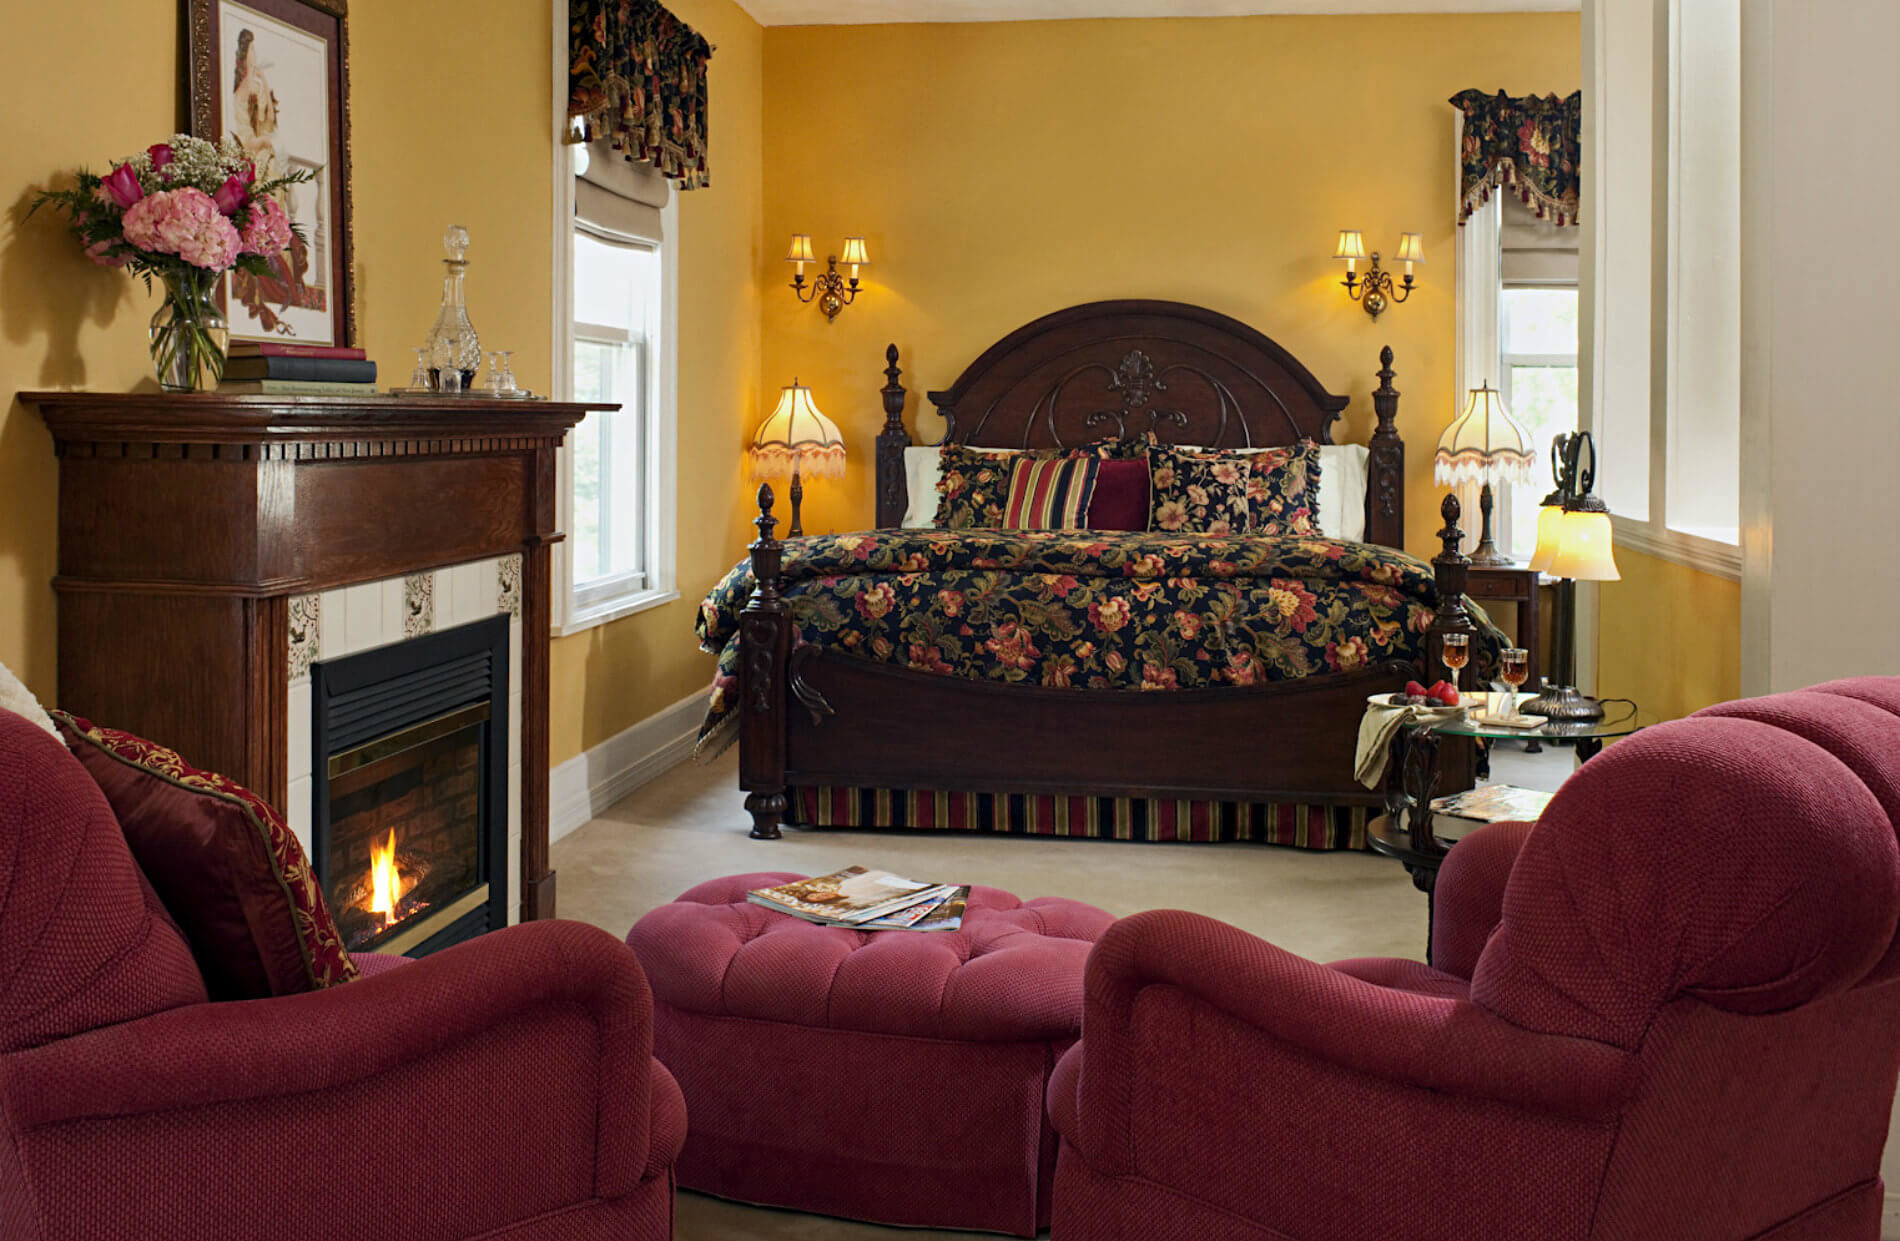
{"x":588,"y":783}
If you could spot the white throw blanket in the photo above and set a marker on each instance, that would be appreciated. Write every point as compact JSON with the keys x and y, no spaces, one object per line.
{"x":1377,"y":727}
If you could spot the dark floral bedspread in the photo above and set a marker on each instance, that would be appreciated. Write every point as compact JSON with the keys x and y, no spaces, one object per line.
{"x":1142,"y":611}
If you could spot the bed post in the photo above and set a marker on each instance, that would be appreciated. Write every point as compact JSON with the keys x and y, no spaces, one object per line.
{"x":1385,"y":467}
{"x":893,"y":493}
{"x":764,"y":636}
{"x":1449,"y":570}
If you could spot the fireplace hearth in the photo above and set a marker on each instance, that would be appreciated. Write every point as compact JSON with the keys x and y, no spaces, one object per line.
{"x":409,"y":835}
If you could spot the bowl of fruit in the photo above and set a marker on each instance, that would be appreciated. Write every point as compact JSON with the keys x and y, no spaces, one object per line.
{"x":1439,"y":697}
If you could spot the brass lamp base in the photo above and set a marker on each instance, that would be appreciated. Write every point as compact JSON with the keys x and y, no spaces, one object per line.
{"x":1486,"y":554}
{"x":1561,"y":704}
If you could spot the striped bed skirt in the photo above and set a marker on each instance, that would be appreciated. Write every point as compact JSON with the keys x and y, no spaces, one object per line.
{"x":1298,"y":824}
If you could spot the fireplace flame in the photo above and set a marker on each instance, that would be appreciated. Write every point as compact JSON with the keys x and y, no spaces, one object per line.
{"x":385,"y":887}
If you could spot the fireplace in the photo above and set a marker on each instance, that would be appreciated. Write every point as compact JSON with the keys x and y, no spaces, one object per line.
{"x":410,"y":783}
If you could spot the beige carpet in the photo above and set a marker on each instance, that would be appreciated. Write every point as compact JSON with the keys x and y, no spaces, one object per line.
{"x":690,"y":825}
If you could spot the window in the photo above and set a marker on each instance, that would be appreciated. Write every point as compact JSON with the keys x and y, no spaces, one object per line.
{"x":1537,"y":369}
{"x":616,"y":319}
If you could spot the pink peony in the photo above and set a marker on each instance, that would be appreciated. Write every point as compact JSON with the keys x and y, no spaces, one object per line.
{"x":268,"y":229}
{"x":230,"y":196}
{"x":185,"y":222}
{"x":122,"y":186}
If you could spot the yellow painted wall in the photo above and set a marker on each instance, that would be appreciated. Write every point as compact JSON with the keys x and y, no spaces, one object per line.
{"x":1003,"y":170}
{"x":451,"y":126}
{"x":1668,"y":636}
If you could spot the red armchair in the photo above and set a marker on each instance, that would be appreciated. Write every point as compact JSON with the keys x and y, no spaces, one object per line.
{"x":503,"y":1088}
{"x":1668,"y":1011}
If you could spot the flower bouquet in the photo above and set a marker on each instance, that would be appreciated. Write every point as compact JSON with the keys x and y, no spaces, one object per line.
{"x":186,"y":211}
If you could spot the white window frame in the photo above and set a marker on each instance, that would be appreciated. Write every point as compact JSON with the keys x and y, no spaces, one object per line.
{"x":577,"y":610}
{"x":1541,"y":479}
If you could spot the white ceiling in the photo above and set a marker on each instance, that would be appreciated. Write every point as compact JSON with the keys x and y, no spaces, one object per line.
{"x":869,"y":12}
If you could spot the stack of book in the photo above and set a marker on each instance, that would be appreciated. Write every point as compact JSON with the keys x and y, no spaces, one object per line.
{"x":1460,"y":814}
{"x":282,"y":369}
{"x":868,"y":900}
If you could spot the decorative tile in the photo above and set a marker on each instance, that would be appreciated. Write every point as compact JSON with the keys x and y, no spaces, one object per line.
{"x":418,"y":604}
{"x":306,"y":632}
{"x":508,"y":575}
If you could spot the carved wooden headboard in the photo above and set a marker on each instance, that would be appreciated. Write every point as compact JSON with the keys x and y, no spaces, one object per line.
{"x":1114,"y":369}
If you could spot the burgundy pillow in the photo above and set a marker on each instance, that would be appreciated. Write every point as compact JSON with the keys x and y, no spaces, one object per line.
{"x":223,"y":862}
{"x":1121,"y":495}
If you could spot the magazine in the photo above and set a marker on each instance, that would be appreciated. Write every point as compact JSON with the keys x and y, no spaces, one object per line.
{"x":848,"y":897}
{"x":1494,"y":803}
{"x":942,"y":914}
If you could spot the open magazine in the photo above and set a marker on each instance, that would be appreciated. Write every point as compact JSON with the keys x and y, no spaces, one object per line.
{"x":1494,"y":803}
{"x":868,"y":900}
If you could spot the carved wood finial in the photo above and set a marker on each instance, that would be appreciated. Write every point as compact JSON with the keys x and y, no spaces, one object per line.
{"x":1451,"y":535}
{"x":1386,"y":372}
{"x":893,"y":392}
{"x":765,"y":521}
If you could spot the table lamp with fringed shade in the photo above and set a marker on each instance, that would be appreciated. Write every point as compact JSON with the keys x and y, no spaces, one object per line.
{"x":1485,"y":444}
{"x":797,"y":440}
{"x":1573,"y":545}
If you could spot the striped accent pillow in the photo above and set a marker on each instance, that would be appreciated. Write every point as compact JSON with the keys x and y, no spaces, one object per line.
{"x":1050,"y":493}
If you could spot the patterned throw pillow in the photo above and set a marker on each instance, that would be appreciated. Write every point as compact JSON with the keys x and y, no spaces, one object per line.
{"x":224,"y":864}
{"x":1198,"y":492}
{"x":1050,"y":493}
{"x":1283,"y":490}
{"x":972,"y":487}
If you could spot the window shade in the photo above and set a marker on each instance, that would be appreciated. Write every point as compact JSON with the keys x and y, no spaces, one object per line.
{"x":619,"y":195}
{"x":1535,"y":251}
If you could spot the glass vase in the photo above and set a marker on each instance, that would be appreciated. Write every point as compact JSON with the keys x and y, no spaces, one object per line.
{"x":189,"y":334}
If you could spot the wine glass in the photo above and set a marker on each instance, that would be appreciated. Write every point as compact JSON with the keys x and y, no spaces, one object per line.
{"x":419,"y":378}
{"x":1456,"y":654}
{"x":507,"y":371}
{"x":1514,"y":668}
{"x":497,"y":383}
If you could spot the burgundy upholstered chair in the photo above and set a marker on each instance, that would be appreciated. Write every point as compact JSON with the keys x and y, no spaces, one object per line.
{"x":1668,"y":1011}
{"x":503,"y":1088}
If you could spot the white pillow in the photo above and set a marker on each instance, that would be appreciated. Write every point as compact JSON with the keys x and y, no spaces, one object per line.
{"x":18,"y":699}
{"x":1342,"y":490}
{"x":923,"y":466}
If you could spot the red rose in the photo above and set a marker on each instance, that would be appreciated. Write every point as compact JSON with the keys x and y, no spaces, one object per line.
{"x":230,"y":196}
{"x":122,"y":186}
{"x":161,"y":153}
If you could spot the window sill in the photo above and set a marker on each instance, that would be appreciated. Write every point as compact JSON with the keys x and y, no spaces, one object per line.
{"x":1691,"y":551}
{"x":618,"y":609}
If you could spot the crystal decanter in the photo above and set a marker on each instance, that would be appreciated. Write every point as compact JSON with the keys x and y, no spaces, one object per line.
{"x":452,"y":342}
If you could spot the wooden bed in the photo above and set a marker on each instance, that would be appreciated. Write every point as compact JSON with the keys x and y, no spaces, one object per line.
{"x":1091,"y":372}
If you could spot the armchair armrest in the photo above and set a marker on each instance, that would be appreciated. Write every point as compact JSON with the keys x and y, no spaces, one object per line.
{"x":1448,"y":1046}
{"x":1469,"y":897}
{"x":495,"y":1080}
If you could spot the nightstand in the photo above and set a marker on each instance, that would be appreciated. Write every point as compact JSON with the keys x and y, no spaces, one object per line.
{"x":1513,"y":583}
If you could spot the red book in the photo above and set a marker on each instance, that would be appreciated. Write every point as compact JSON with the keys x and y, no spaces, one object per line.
{"x":284,"y":349}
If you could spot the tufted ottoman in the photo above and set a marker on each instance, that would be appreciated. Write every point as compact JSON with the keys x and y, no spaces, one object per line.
{"x":891,"y":1076}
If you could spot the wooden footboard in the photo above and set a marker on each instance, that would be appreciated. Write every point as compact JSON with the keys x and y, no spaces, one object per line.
{"x":812,"y":719}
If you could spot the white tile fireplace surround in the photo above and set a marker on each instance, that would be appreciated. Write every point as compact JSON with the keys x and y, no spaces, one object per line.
{"x":354,"y":619}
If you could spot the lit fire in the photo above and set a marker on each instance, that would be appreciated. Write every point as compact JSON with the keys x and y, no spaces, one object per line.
{"x":385,"y":883}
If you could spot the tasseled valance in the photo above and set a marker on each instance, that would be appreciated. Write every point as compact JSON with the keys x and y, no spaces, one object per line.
{"x":637,"y":77}
{"x":1533,"y":145}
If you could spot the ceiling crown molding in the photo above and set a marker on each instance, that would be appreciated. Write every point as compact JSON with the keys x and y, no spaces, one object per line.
{"x":875,"y":12}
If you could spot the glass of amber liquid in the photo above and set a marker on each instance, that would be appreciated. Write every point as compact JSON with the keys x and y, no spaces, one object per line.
{"x":1456,"y":654}
{"x":1514,"y":668}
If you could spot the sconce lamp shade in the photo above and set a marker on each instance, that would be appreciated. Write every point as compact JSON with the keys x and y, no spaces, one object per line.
{"x":1485,"y":444}
{"x":1584,"y":554}
{"x":797,"y":437}
{"x":1550,"y":526}
{"x":801,"y":249}
{"x":1411,"y":248}
{"x":1351,"y":245}
{"x":854,"y":252}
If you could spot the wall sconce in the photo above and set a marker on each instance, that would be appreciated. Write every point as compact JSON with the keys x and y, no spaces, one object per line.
{"x":833,"y":291}
{"x":1375,"y":290}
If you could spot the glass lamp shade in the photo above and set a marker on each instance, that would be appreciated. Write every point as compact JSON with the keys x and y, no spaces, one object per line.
{"x":1485,"y":444}
{"x":1550,"y":526}
{"x":1351,"y":245}
{"x":797,"y":437}
{"x":801,"y":249}
{"x":1411,"y":248}
{"x":1584,"y":554}
{"x":854,"y":252}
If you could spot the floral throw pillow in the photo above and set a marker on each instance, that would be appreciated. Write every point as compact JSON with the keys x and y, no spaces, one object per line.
{"x":972,"y":487}
{"x":1198,"y":492}
{"x":1283,"y":490}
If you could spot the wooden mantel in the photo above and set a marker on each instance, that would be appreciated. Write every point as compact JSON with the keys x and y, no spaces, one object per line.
{"x":187,"y":523}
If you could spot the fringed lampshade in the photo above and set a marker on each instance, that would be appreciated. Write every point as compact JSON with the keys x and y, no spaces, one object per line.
{"x":1484,"y":445}
{"x":797,"y":437}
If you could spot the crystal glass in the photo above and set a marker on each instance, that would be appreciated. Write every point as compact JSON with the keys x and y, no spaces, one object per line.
{"x":189,"y":334}
{"x":1514,"y":668}
{"x":508,"y":384}
{"x":452,"y":340}
{"x":419,"y":379}
{"x":493,"y":381}
{"x":1456,"y":655}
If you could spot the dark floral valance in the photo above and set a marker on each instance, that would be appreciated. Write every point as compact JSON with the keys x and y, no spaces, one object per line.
{"x":637,"y":76}
{"x":1533,"y":145}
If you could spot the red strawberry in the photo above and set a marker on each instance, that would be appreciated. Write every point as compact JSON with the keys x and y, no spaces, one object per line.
{"x":1414,"y":690}
{"x":1438,"y":687}
{"x":1447,"y":695}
